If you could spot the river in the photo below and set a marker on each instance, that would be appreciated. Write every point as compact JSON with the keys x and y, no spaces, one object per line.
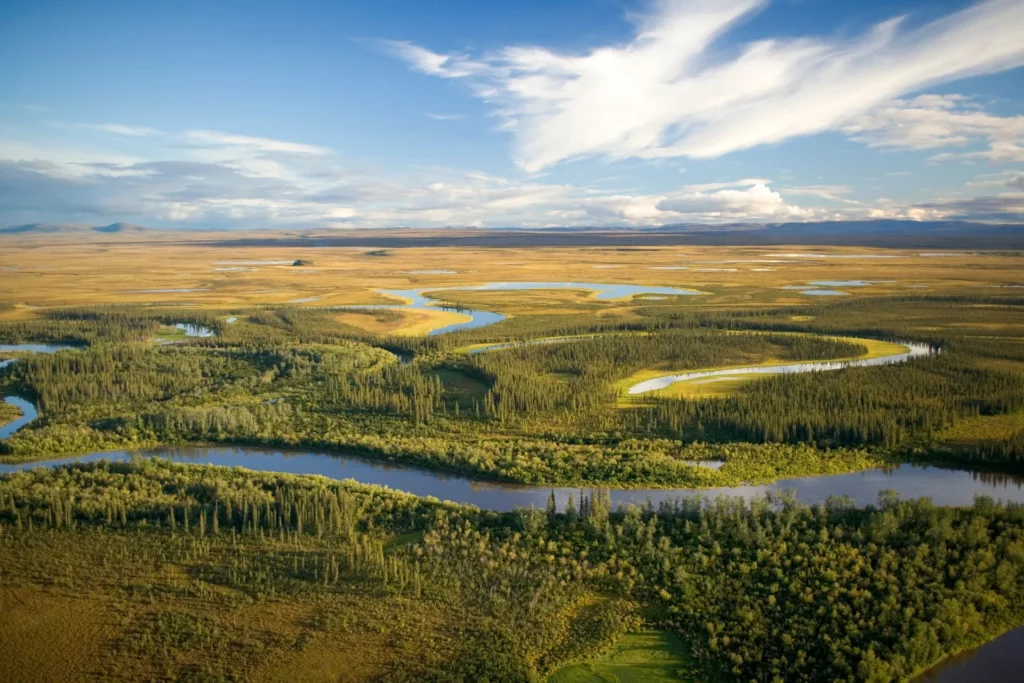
{"x":422,"y":300}
{"x":943,"y":486}
{"x":28,"y":411}
{"x":912,"y":350}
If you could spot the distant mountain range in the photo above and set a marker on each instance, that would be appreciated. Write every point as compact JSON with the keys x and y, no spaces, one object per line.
{"x":71,"y":229}
{"x":877,"y":233}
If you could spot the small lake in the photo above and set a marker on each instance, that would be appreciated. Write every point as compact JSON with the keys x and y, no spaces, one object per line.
{"x":913,"y":350}
{"x":192,"y":330}
{"x":603,"y":291}
{"x":943,"y":486}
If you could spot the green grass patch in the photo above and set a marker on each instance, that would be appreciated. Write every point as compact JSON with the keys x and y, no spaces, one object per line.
{"x":459,"y":387}
{"x":981,"y":428}
{"x":643,"y":657}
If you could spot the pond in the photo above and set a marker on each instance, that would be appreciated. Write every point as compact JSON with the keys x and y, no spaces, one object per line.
{"x":913,"y":350}
{"x":192,"y":330}
{"x":943,"y":486}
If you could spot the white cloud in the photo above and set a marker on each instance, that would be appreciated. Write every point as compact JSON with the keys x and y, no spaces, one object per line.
{"x":832,"y":193}
{"x":670,"y":92}
{"x":935,"y":121}
{"x":217,"y":139}
{"x":445,"y":117}
{"x":227,"y":180}
{"x":746,"y":182}
{"x":1011,"y":178}
{"x":120,"y":129}
{"x":756,"y":202}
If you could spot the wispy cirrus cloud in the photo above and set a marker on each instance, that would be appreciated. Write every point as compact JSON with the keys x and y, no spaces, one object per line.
{"x":121,"y":129}
{"x":214,"y":138}
{"x":668,"y":92}
{"x":930,"y":122}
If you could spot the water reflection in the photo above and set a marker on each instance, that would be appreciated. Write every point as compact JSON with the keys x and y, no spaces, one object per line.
{"x":31,"y":348}
{"x":194,"y":330}
{"x":943,"y":486}
{"x":998,"y":660}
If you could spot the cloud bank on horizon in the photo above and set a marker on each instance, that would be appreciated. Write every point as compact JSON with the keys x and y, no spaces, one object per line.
{"x":599,"y":136}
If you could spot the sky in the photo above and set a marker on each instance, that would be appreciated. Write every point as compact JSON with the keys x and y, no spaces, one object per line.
{"x":534,"y":113}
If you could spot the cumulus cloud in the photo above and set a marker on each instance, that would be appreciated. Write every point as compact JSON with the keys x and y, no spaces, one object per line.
{"x":670,"y":92}
{"x":755,"y":202}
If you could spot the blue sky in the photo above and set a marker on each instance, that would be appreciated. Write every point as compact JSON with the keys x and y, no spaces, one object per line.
{"x":324,"y":114}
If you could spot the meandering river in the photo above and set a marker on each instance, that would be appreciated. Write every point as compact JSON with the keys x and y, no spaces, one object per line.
{"x":912,"y":350}
{"x":421,"y":299}
{"x":28,"y":411}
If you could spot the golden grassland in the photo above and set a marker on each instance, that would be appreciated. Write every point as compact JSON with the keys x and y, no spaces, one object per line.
{"x":164,"y":269}
{"x":410,"y":322}
{"x":94,"y":601}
